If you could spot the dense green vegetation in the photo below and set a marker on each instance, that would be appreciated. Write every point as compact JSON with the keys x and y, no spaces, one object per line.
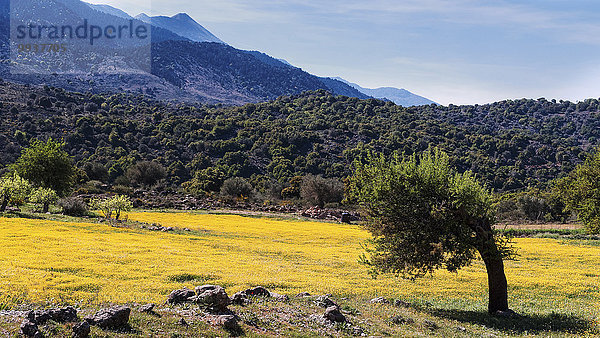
{"x":510,"y":145}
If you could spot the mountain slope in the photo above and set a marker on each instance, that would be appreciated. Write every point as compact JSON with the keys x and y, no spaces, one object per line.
{"x":399,"y":96}
{"x":220,"y":73}
{"x":110,"y":10}
{"x":183,"y":25}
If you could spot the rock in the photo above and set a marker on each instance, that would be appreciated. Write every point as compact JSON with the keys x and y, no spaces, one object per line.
{"x":430,"y":324}
{"x":38,"y":316}
{"x":506,"y":314}
{"x":401,"y":303}
{"x":334,"y":315}
{"x":148,"y":308}
{"x":303,"y":295}
{"x":239,"y":298}
{"x":63,"y":315}
{"x":228,"y":322}
{"x":180,"y":296}
{"x":324,"y":301}
{"x":346,"y":218}
{"x":29,"y":328}
{"x":461,"y":329}
{"x":212,"y":296}
{"x":399,"y":320}
{"x":81,"y":330}
{"x":280,"y":298}
{"x":258,"y":291}
{"x":380,"y":300}
{"x":112,"y":318}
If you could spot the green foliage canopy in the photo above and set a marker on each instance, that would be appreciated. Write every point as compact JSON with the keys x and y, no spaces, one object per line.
{"x":426,"y":216}
{"x":580,"y":192}
{"x":47,"y":165}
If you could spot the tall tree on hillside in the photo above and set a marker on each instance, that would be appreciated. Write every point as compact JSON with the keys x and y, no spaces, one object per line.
{"x":580,"y":192}
{"x":425,"y":216}
{"x":47,"y":165}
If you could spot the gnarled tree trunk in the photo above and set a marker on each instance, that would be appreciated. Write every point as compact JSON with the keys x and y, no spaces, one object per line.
{"x":497,"y":284}
{"x":494,"y":264}
{"x":4,"y":204}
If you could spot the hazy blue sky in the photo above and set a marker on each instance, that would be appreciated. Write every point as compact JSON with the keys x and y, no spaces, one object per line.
{"x":459,"y":51}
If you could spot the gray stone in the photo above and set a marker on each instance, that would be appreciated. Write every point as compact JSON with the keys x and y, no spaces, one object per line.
{"x":239,"y":298}
{"x":228,"y":322}
{"x":303,"y":295}
{"x":213,"y":297}
{"x":399,"y":320}
{"x":148,"y":308}
{"x":281,"y":298}
{"x":180,"y":296}
{"x":62,"y":315}
{"x":112,"y":318}
{"x":380,"y":300}
{"x":334,"y":315}
{"x":401,"y":303}
{"x":258,"y":291}
{"x":506,"y":314}
{"x":430,"y":324}
{"x":29,"y":328}
{"x":324,"y":301}
{"x":81,"y":330}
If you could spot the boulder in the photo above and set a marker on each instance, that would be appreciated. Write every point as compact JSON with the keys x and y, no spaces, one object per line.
{"x":29,"y":329}
{"x":63,"y":315}
{"x":112,"y":318}
{"x":281,"y":298}
{"x":148,"y":308}
{"x":334,"y":315}
{"x":228,"y":322}
{"x":258,"y":291}
{"x":213,"y":297}
{"x":180,"y":296}
{"x":399,"y":320}
{"x":430,"y":324}
{"x":324,"y":301}
{"x":239,"y":298}
{"x":401,"y":303}
{"x":380,"y":300}
{"x":303,"y":295}
{"x":506,"y":314}
{"x":81,"y":330}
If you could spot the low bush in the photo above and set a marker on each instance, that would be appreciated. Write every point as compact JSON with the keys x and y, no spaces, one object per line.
{"x":318,"y":191}
{"x":237,"y":188}
{"x":73,"y":206}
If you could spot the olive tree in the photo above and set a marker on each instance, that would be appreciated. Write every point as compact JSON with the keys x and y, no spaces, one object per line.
{"x":13,"y":190}
{"x":113,"y":205}
{"x":425,"y":216}
{"x":43,"y":197}
{"x":47,"y":165}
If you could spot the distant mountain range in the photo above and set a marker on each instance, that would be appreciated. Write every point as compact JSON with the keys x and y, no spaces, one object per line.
{"x":399,"y":96}
{"x":188,"y":62}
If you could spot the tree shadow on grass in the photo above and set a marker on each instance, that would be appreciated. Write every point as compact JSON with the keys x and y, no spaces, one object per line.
{"x":554,"y":322}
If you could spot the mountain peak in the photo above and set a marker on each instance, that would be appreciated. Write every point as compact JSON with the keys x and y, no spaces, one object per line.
{"x":183,"y":17}
{"x":399,"y":96}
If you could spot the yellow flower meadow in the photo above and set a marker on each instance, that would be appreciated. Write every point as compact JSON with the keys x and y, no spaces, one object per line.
{"x":60,"y":262}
